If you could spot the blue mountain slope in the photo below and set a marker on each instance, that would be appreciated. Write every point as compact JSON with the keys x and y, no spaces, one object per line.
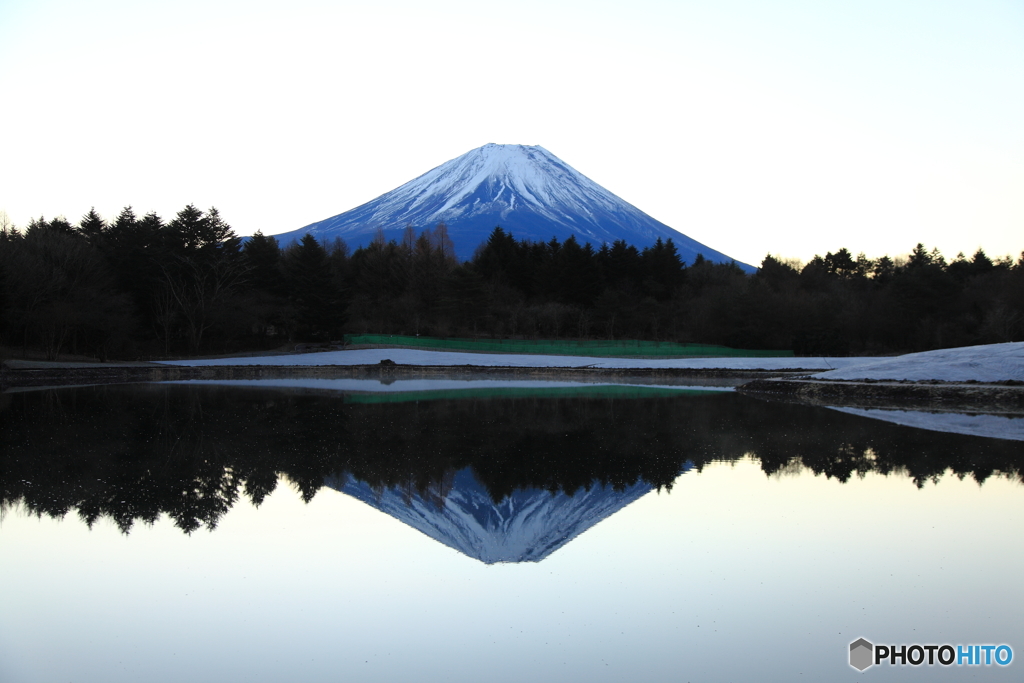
{"x":527,"y":526}
{"x":524,"y":189}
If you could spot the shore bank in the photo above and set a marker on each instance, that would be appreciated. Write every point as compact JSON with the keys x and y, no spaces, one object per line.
{"x":1005,"y":397}
{"x":791,"y":385}
{"x":77,"y":374}
{"x":980,"y":378}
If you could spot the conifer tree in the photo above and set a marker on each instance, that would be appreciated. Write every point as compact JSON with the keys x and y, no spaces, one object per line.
{"x":320,"y":307}
{"x":264,"y":258}
{"x":92,"y":226}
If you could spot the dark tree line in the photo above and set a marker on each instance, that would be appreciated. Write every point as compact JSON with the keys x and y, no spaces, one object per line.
{"x":146,"y":287}
{"x":143,"y":287}
{"x":836,"y":304}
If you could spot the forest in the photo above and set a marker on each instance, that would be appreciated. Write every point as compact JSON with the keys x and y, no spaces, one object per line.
{"x":144,"y":288}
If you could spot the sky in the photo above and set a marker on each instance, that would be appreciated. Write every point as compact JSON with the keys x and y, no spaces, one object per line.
{"x":788,"y":127}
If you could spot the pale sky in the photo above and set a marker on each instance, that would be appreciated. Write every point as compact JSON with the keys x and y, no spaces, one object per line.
{"x":758,"y":127}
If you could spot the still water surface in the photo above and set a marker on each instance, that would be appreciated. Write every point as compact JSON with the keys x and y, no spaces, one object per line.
{"x":491,"y":532}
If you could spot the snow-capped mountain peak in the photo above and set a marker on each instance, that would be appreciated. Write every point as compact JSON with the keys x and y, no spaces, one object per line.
{"x":525,"y":189}
{"x":513,"y":177}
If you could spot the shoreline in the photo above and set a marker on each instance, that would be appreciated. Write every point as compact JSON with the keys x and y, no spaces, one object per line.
{"x":1005,"y":397}
{"x":78,"y":374}
{"x":788,"y":384}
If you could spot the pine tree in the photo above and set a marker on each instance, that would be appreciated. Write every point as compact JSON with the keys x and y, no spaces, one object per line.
{"x":193,"y":233}
{"x":264,"y":257}
{"x":320,"y":307}
{"x":122,"y":231}
{"x":92,"y":226}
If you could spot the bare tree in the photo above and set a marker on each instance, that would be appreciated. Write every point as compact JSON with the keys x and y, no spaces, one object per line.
{"x":197,"y":288}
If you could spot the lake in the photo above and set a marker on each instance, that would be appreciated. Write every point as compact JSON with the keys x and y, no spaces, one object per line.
{"x":461,"y":531}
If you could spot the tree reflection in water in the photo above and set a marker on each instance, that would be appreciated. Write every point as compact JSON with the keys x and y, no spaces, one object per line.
{"x":134,"y":452}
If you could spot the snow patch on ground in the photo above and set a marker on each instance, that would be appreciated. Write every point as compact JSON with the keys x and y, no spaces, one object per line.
{"x":992,"y":426}
{"x":419,"y":357}
{"x":988,"y":363}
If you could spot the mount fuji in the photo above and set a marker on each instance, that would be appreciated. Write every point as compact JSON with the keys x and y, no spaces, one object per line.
{"x":526,"y":190}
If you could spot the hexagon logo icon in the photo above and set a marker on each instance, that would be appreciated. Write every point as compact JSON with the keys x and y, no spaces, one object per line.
{"x":861,"y":652}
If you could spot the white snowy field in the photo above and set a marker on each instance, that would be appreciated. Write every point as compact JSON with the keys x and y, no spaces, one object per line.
{"x":419,"y":357}
{"x":988,"y":363}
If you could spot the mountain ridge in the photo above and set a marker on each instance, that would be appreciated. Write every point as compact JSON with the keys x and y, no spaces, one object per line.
{"x":524,"y":189}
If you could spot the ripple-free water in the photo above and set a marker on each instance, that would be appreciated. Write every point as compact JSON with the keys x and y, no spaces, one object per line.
{"x":503,"y":533}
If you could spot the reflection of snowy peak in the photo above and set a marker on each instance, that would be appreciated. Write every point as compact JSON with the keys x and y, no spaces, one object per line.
{"x":525,"y":189}
{"x":527,"y":526}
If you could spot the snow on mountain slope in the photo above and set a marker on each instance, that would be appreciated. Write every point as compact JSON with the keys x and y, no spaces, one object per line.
{"x":525,"y":189}
{"x":527,"y":526}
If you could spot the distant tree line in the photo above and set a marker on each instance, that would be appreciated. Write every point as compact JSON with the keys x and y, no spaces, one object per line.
{"x":836,"y":304}
{"x":143,"y":287}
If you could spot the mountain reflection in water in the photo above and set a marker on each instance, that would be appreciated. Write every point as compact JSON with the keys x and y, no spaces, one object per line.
{"x":515,"y":477}
{"x":525,"y":526}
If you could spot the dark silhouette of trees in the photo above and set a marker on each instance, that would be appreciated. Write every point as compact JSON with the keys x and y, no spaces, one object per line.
{"x":201,"y":274}
{"x":263,"y":254}
{"x":834,"y":305}
{"x":104,"y":289}
{"x":265,"y":298}
{"x":92,"y":226}
{"x":191,"y":286}
{"x":319,"y":309}
{"x":60,"y":293}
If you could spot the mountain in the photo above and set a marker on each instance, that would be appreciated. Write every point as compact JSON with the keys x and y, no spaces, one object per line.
{"x":527,"y":526}
{"x":525,"y":189}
